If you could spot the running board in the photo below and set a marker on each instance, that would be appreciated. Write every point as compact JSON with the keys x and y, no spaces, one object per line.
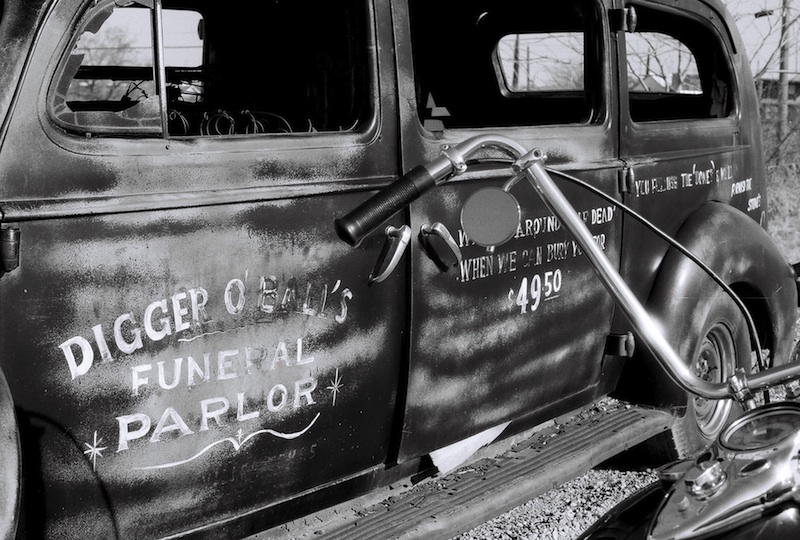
{"x":442,"y":507}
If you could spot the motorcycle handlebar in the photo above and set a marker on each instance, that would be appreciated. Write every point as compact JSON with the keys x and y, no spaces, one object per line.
{"x":353,"y":227}
{"x":363,"y":219}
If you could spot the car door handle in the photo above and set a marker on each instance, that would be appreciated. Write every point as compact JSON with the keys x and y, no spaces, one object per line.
{"x":427,"y":232}
{"x":397,"y":239}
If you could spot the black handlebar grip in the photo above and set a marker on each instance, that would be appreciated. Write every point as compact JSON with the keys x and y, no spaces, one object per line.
{"x":362,"y":220}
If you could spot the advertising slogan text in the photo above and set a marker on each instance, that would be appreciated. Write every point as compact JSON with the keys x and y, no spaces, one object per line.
{"x":539,"y":285}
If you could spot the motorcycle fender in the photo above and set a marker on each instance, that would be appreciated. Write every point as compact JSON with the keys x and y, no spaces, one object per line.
{"x":633,"y":519}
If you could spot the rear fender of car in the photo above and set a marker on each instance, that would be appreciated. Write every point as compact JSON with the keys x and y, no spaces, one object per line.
{"x":743,"y":255}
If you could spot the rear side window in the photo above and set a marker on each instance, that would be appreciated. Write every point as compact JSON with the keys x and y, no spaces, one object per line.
{"x":546,"y":62}
{"x":676,"y":69}
{"x":502,"y":63}
{"x":285,"y":67}
{"x":658,"y":63}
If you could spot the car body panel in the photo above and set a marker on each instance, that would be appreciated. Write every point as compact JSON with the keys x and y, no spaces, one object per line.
{"x":191,"y":350}
{"x":196,"y":324}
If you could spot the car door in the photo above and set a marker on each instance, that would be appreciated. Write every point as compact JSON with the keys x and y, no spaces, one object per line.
{"x":186,"y":340}
{"x":689,"y":136}
{"x":682,"y":139}
{"x":517,"y":333}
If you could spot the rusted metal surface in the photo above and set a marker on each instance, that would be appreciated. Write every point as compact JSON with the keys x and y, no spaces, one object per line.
{"x":197,"y":344}
{"x":181,"y":376}
{"x":189,"y":347}
{"x":487,"y":331}
{"x":497,"y":331}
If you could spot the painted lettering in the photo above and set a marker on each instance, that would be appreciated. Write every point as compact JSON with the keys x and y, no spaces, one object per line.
{"x":599,"y":239}
{"x":125,"y":346}
{"x":198,"y":298}
{"x":137,"y":380}
{"x":78,"y":368}
{"x":225,"y":368}
{"x":179,"y":311}
{"x":229,"y":364}
{"x":102,"y":345}
{"x":557,"y":251}
{"x":165,"y":330}
{"x":281,"y":355}
{"x":177,"y":424}
{"x":602,"y":215}
{"x":743,"y":186}
{"x":176,"y":373}
{"x":477,"y":268}
{"x":314,"y":304}
{"x":538,"y":225}
{"x":194,"y":369}
{"x":215,"y":412}
{"x":184,"y":310}
{"x":268,"y":294}
{"x":300,"y":359}
{"x":283,"y":396}
{"x":463,"y":239}
{"x":234,"y":288}
{"x":532,"y":257}
{"x":207,"y":413}
{"x":754,"y":203}
{"x":506,"y":262}
{"x":684,"y":180}
{"x":725,"y":174}
{"x":303,"y":388}
{"x":346,"y":295}
{"x":289,"y":302}
{"x":125,"y":433}
{"x":542,"y":287}
{"x":240,"y":414}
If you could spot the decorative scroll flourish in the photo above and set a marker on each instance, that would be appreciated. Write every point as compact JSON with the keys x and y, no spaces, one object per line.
{"x":237,"y":445}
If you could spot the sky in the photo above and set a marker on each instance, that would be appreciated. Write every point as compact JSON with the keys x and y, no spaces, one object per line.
{"x":761,"y":35}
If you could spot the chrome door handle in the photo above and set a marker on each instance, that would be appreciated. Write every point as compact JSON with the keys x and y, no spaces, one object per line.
{"x":397,"y":239}
{"x":438,"y":230}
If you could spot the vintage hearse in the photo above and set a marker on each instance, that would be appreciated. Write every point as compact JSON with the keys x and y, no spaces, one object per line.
{"x":188,"y":349}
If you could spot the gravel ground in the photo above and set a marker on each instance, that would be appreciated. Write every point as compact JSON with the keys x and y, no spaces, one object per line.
{"x":565,"y":512}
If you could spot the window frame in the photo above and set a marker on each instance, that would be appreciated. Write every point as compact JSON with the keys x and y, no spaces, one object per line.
{"x":597,"y":71}
{"x":692,"y":62}
{"x":723,"y":42}
{"x":505,"y":85}
{"x":59,"y":82}
{"x":364,"y":130}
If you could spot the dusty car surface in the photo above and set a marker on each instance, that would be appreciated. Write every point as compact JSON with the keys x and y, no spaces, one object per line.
{"x":189,"y":348}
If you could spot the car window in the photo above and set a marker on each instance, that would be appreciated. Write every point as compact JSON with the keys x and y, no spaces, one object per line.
{"x":288,"y":67}
{"x":500,"y":63}
{"x":550,"y":61}
{"x":660,"y":63}
{"x":676,"y":69}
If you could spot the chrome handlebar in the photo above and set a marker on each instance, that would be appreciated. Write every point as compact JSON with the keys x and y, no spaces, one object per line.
{"x":362,"y":220}
{"x":528,"y":165}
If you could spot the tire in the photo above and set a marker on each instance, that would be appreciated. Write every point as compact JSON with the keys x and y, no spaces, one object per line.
{"x":719,"y":345}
